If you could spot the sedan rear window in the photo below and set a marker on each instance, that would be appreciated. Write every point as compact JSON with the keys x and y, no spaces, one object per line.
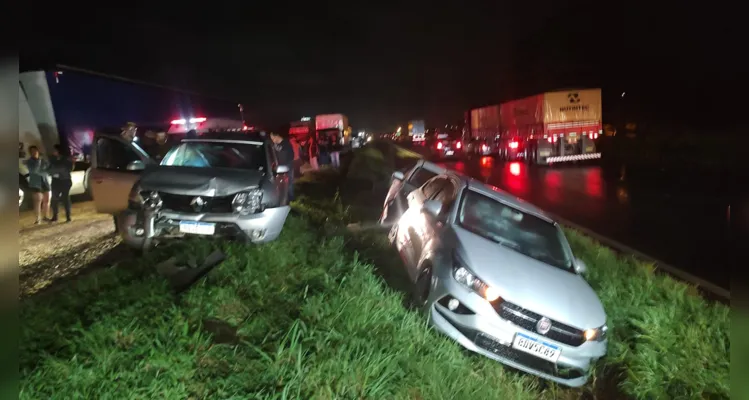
{"x":522,"y":232}
{"x":207,"y":154}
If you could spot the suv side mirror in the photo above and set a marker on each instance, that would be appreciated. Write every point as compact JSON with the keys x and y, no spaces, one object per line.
{"x":398,"y":176}
{"x":136,"y":165}
{"x":282,"y":169}
{"x":433,"y":208}
{"x":580,"y":266}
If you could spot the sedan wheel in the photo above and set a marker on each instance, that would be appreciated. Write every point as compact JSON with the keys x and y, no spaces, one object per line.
{"x":422,"y":288}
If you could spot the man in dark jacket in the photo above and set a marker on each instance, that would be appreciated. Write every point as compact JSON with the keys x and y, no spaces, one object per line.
{"x":285,"y":154}
{"x":61,"y":165}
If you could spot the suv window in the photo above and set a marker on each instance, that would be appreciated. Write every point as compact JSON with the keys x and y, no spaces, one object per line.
{"x":419,"y":178}
{"x":114,"y":155}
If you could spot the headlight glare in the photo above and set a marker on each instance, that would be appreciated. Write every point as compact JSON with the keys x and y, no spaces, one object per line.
{"x":246,"y":203}
{"x":597,"y":334}
{"x":465,"y":277}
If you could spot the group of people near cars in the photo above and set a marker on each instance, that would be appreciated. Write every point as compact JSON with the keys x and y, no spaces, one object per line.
{"x":46,"y":196}
{"x":58,"y":166}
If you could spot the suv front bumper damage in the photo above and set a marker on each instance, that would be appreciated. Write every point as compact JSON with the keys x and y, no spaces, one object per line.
{"x":140,"y":228}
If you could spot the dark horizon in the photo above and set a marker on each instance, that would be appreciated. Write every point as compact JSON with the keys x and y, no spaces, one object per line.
{"x":383,"y":67}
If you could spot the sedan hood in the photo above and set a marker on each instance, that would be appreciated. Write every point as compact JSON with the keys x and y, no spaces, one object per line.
{"x":191,"y":181}
{"x":534,"y":285}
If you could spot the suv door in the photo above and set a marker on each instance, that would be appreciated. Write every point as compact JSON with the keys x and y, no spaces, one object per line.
{"x":280,"y":181}
{"x":116,"y":164}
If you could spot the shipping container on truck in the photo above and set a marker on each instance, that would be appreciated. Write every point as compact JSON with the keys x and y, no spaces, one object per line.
{"x":417,"y":131}
{"x":552,"y":127}
{"x":484,"y":128}
{"x":333,"y":127}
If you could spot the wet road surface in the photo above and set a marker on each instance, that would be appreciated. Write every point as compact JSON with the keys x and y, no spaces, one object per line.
{"x":694,"y":230}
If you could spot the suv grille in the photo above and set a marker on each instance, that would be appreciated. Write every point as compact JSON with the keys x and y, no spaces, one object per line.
{"x":527,"y":319}
{"x":181,"y":203}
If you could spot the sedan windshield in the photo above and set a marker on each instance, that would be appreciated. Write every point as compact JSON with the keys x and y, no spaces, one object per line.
{"x":210,"y":154}
{"x":524,"y":233}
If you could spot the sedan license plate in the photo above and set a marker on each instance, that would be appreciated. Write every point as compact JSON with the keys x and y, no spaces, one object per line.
{"x":449,"y":152}
{"x":536,"y":347}
{"x":197,"y":228}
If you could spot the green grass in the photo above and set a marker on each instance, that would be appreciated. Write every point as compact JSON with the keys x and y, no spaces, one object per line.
{"x":310,"y":317}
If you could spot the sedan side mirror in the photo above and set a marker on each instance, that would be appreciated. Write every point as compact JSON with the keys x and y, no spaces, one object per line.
{"x":580,"y":266}
{"x":433,"y":208}
{"x":136,"y":165}
{"x":282,"y":169}
{"x":398,"y":176}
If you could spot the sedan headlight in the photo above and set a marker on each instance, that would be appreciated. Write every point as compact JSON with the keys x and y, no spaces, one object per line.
{"x":597,"y":334}
{"x":246,"y":203}
{"x":469,"y":280}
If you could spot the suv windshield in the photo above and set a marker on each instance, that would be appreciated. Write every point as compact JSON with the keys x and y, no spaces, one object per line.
{"x":209,"y":154}
{"x":512,"y":228}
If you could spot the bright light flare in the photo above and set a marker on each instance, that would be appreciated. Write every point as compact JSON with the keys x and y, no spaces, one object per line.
{"x":514,"y":145}
{"x":515,"y":169}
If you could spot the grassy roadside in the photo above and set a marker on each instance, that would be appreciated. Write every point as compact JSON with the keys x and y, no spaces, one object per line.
{"x":306,"y":317}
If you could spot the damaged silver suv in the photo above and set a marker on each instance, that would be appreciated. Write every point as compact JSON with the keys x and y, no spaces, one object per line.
{"x":225,"y":185}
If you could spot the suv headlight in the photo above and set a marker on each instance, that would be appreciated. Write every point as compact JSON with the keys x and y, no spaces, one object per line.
{"x":246,"y":203}
{"x":144,"y":199}
{"x":469,"y":280}
{"x":597,"y":334}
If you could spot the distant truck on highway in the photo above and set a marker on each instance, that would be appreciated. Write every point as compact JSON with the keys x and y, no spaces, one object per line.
{"x":548,"y":128}
{"x":333,"y":128}
{"x":69,"y":106}
{"x":417,"y":131}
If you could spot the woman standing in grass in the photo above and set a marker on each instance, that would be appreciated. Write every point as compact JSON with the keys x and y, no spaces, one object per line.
{"x":38,"y":183}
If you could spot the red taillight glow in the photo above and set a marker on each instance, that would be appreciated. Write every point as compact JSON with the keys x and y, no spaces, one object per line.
{"x":439,"y":145}
{"x":458,"y":145}
{"x":178,"y":122}
{"x":513,"y":145}
{"x":515,"y":169}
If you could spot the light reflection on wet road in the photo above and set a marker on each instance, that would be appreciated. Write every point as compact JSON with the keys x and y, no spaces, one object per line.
{"x":691,"y":231}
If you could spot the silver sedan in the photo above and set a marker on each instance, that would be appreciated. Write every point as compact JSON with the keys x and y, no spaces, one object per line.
{"x":498,"y":276}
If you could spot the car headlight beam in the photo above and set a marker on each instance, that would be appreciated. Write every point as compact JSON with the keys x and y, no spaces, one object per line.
{"x":596,"y":334}
{"x":467,"y":279}
{"x":246,"y":203}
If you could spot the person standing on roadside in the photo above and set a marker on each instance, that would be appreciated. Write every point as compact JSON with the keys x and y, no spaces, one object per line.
{"x":38,"y":183}
{"x":314,"y":151}
{"x":335,"y":152}
{"x":61,"y":164}
{"x":285,"y":157}
{"x":297,"y":156}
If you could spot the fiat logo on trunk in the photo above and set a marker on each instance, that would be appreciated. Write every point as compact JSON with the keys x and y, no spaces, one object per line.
{"x":197,"y":203}
{"x":543,"y":326}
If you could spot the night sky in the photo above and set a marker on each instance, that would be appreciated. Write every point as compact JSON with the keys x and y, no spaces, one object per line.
{"x":383,"y":64}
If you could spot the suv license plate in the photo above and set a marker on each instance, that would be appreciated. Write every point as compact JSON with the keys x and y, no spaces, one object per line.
{"x":197,"y":228}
